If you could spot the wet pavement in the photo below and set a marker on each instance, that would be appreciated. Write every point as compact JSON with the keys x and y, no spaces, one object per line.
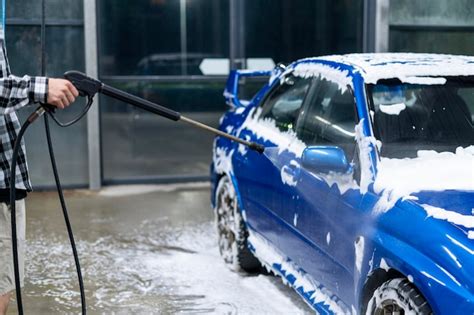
{"x":143,"y":250}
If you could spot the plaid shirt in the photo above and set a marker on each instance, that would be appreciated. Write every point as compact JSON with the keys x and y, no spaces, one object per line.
{"x":15,"y":92}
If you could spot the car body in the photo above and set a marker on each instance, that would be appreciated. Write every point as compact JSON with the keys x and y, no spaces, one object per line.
{"x":383,"y":187}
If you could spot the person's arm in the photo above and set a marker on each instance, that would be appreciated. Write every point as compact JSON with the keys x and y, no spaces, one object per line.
{"x":16,"y":92}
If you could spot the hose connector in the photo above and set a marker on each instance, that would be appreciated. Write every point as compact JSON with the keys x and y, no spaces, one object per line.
{"x":36,"y":114}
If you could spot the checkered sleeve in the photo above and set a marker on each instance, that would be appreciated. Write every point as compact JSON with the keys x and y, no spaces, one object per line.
{"x":16,"y":92}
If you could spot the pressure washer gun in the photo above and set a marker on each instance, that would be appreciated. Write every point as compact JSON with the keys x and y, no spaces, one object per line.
{"x":89,"y":87}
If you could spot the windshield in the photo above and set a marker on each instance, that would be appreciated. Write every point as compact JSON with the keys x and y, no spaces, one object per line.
{"x":412,"y":117}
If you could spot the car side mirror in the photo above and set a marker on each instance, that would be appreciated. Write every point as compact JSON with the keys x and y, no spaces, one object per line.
{"x":325,"y":159}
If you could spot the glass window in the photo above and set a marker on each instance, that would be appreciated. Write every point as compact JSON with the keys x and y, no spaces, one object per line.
{"x":437,"y":26}
{"x":433,"y":12}
{"x":250,"y":86}
{"x":161,"y":37}
{"x":207,"y":31}
{"x":430,"y":41}
{"x":137,"y":145}
{"x":330,"y":118}
{"x":288,"y":30}
{"x":22,"y":39}
{"x":23,"y":9}
{"x":409,"y":117}
{"x":56,"y":9}
{"x":64,"y":49}
{"x":284,"y":103}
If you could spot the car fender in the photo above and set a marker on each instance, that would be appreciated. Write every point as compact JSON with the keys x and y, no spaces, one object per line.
{"x":389,"y":253}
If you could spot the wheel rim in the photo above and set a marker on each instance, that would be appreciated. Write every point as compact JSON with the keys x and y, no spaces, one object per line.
{"x":389,"y":307}
{"x":225,"y":214}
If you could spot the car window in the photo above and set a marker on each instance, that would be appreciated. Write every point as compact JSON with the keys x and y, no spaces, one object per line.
{"x":330,"y":118}
{"x":413,"y":117}
{"x":284,"y":103}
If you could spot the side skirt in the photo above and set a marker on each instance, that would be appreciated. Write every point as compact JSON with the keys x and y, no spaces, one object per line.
{"x":314,"y":294}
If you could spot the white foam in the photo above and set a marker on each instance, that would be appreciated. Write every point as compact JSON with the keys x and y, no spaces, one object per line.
{"x":286,"y":173}
{"x":408,"y":67}
{"x":384,"y":265}
{"x":423,"y":80}
{"x":470,"y":234}
{"x":366,"y":145}
{"x":359,"y":247}
{"x":222,"y":160}
{"x":240,"y":110}
{"x":341,"y":77}
{"x":394,"y":109}
{"x":268,"y":254}
{"x":450,"y":216}
{"x":266,"y":130}
{"x":295,"y":219}
{"x":343,"y":182}
{"x":429,"y":171}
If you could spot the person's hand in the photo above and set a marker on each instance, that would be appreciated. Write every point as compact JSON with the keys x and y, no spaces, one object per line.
{"x":61,"y":93}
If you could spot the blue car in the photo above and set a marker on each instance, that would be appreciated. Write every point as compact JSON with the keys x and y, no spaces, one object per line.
{"x":363,"y":200}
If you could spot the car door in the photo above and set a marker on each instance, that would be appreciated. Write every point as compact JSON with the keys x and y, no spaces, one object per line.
{"x":264,"y":193}
{"x":327,"y":203}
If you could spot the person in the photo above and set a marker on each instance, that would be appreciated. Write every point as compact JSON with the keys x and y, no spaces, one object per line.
{"x":15,"y":93}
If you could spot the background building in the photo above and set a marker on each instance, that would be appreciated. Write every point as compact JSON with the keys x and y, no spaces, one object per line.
{"x":154,"y":48}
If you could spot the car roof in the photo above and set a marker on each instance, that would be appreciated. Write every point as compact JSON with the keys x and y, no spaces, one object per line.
{"x":404,"y":66}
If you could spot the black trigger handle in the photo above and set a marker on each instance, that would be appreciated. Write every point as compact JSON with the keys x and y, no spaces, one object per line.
{"x":86,"y":86}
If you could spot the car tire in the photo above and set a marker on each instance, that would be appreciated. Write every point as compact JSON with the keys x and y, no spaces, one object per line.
{"x":232,"y":231}
{"x":397,"y":296}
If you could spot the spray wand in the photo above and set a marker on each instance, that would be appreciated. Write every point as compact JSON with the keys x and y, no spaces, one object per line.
{"x":89,"y":87}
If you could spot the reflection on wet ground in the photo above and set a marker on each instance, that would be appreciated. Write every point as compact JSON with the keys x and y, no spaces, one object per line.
{"x":140,"y":253}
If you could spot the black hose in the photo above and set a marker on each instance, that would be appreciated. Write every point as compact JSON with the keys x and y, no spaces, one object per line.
{"x":16,"y":268}
{"x":66,"y":216}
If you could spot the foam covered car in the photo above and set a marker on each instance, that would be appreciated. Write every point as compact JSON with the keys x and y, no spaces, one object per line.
{"x":363,"y":200}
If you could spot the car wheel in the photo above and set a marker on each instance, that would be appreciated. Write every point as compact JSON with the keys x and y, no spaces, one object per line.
{"x":231,"y":229}
{"x":397,"y":296}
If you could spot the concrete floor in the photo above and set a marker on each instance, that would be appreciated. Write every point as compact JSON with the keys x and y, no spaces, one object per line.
{"x":144,"y":250}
